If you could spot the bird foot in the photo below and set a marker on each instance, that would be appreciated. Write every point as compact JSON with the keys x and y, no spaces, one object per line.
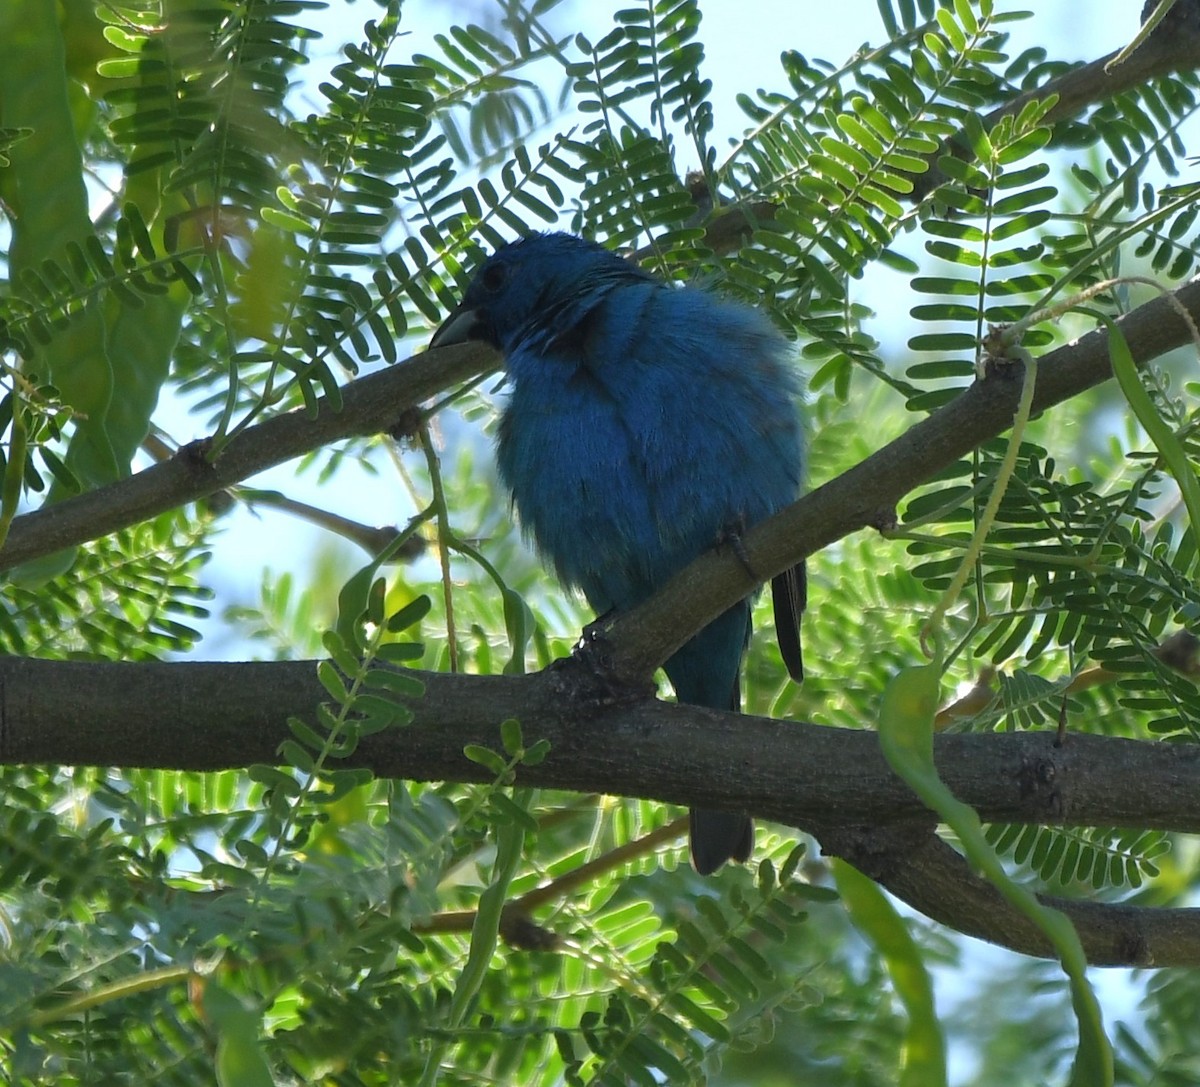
{"x":587,"y":676}
{"x":731,"y":536}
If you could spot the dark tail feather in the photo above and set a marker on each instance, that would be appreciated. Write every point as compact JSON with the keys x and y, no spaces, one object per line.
{"x":718,"y":837}
{"x":704,"y":672}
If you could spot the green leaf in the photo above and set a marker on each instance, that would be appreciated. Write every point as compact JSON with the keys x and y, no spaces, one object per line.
{"x":240,"y":1061}
{"x":923,"y":1056}
{"x":486,"y":758}
{"x":1159,"y":432}
{"x":906,"y":736}
{"x":510,"y":736}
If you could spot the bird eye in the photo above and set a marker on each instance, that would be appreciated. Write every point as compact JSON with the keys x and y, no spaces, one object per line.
{"x":494,"y":277}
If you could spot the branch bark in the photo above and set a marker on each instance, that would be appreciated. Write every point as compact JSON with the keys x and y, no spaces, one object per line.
{"x":934,"y":879}
{"x":370,"y":405}
{"x":833,"y":783}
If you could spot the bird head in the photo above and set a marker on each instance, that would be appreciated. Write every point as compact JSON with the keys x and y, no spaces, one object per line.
{"x":542,"y":283}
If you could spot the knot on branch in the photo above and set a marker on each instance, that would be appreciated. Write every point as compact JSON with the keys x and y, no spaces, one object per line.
{"x":588,"y":679}
{"x":1038,"y":780}
{"x":878,"y":852}
{"x":407,"y":427}
{"x":521,"y":932}
{"x":1134,"y":949}
{"x":196,"y":457}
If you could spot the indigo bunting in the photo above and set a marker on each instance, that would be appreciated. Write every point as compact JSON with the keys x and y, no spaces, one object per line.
{"x":645,"y":424}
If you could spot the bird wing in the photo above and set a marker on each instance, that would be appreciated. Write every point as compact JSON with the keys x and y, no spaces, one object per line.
{"x":789,"y":595}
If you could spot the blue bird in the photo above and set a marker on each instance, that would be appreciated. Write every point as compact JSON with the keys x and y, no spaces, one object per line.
{"x":646,"y":424}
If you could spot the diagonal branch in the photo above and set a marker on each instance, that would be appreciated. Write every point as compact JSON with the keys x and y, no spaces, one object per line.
{"x":1173,"y":46}
{"x":923,"y":871}
{"x":635,"y":642}
{"x":370,"y":405}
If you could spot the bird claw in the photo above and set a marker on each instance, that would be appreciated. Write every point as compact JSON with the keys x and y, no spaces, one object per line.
{"x":587,"y":676}
{"x":731,"y":536}
{"x":408,"y":426}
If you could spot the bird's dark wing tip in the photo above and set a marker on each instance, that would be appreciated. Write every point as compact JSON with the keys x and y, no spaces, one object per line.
{"x":789,"y":595}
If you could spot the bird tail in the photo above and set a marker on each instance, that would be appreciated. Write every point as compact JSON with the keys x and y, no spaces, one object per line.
{"x":717,"y":837}
{"x":704,"y":672}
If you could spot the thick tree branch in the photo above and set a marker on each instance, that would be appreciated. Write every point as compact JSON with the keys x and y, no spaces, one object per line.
{"x":933,"y":878}
{"x":831,"y":782}
{"x":212,"y":716}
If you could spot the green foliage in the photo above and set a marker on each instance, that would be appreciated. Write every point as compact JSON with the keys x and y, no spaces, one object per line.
{"x":1094,"y":855}
{"x":923,"y":1059}
{"x":129,"y":596}
{"x":187,"y":219}
{"x":718,"y":965}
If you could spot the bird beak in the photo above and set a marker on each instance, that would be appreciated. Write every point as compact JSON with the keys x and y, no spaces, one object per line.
{"x":461,"y":326}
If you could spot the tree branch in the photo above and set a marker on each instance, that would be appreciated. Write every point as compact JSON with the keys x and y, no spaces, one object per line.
{"x":831,"y":782}
{"x":370,"y":405}
{"x":1174,"y":46}
{"x":637,"y":642}
{"x":632,"y":644}
{"x":934,"y":879}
